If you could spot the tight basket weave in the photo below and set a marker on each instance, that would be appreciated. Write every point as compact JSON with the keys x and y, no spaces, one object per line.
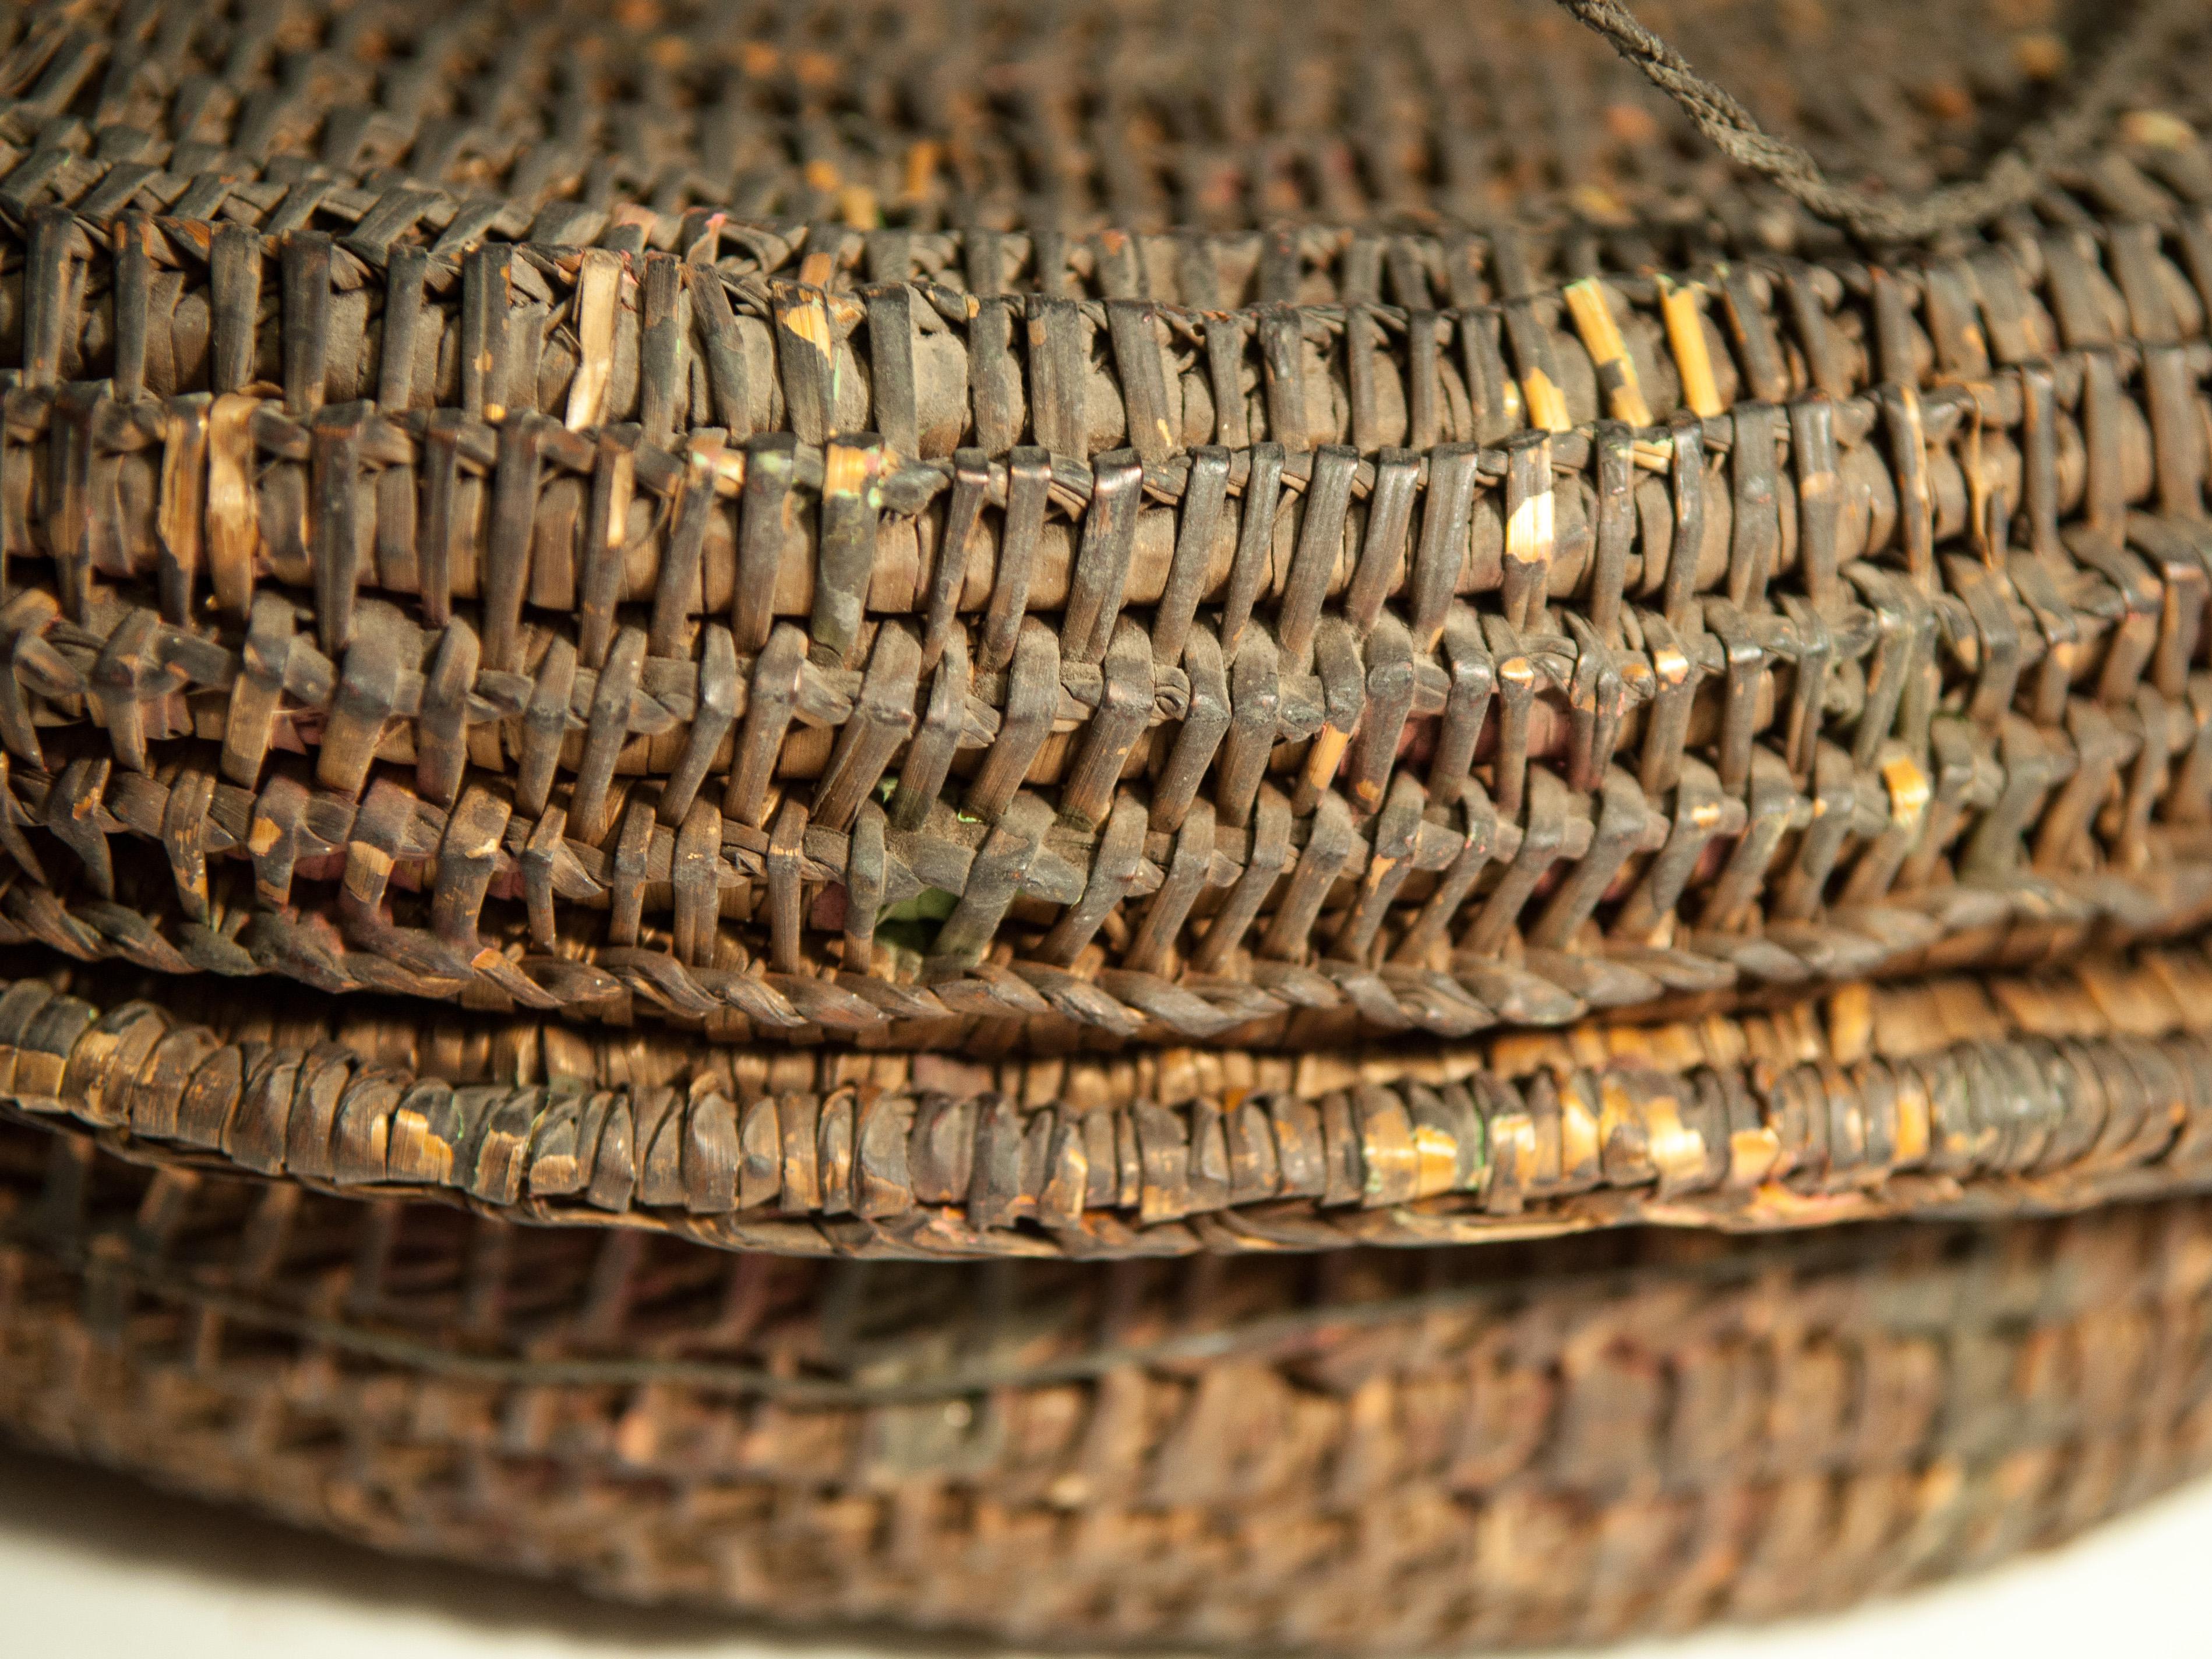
{"x":1110,"y":631}
{"x":1618,"y":1434}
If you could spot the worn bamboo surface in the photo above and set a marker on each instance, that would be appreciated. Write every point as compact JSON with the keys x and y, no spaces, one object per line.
{"x":1356,"y":1451}
{"x":1960,"y":1096}
{"x":568,"y":121}
{"x":889,"y":625}
{"x":1159,"y":644}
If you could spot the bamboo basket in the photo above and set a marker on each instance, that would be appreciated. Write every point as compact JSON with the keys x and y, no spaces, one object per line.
{"x":1618,"y":1434}
{"x":1104,"y":641}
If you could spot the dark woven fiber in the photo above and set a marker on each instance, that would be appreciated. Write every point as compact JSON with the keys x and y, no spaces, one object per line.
{"x":1946,"y":1097}
{"x":1162,"y":644}
{"x":1355,"y":1450}
{"x":800,"y":631}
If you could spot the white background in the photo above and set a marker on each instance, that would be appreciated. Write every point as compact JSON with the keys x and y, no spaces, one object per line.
{"x":92,"y":1565}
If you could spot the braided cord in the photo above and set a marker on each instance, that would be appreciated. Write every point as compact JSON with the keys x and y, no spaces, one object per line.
{"x":2011,"y":177}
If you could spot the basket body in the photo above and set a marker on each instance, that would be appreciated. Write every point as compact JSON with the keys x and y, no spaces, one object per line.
{"x":1166,"y":645}
{"x":1386,"y":1450}
{"x":933,"y":635}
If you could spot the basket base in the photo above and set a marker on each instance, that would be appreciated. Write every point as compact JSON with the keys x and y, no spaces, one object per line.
{"x":1384,"y":1450}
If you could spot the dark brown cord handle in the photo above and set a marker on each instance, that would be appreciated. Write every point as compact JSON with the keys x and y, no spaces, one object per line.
{"x":2015,"y":175}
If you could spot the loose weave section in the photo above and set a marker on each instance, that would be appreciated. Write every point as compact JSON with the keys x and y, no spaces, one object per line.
{"x":1365,"y":1450}
{"x":898,"y":628}
{"x":1450,"y":732}
{"x":1961,"y":1096}
{"x":698,"y":584}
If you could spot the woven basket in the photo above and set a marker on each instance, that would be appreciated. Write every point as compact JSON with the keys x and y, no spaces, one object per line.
{"x":941,"y":631}
{"x":1616,"y":1435}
